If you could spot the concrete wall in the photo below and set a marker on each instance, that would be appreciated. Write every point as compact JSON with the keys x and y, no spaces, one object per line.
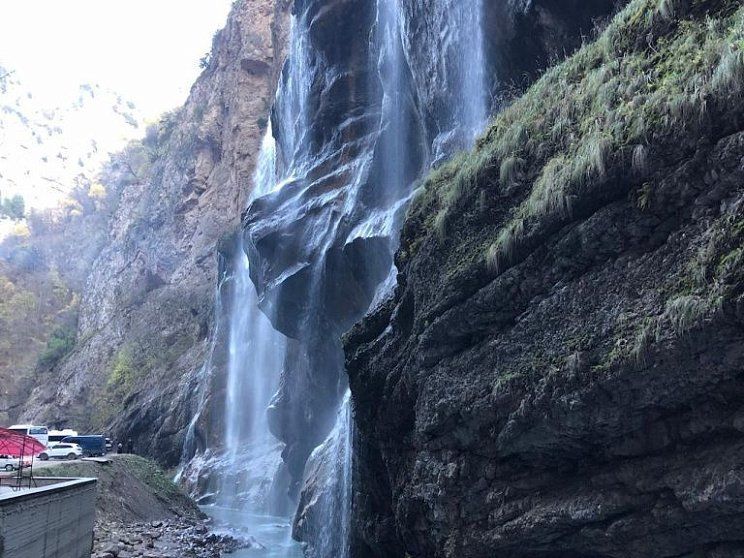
{"x":54,"y":521}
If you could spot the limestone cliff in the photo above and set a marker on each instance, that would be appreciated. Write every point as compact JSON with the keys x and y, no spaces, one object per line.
{"x":147,"y":312}
{"x":559,"y":371}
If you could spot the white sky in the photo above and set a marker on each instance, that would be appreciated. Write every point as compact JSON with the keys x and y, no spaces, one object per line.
{"x":146,"y":50}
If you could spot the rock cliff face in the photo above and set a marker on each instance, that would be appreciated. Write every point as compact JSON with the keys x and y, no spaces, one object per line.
{"x":147,"y":313}
{"x":374,"y":92}
{"x":53,"y":219}
{"x":360,"y":114}
{"x":559,"y":371}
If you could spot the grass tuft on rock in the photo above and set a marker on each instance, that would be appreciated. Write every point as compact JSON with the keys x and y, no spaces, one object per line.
{"x":660,"y":66}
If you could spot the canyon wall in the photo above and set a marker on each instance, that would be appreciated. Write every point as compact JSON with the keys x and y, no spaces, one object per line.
{"x":147,"y":313}
{"x":551,"y":366}
{"x":373,"y":95}
{"x":559,"y":370}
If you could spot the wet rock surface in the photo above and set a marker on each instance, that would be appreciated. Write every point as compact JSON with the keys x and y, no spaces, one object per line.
{"x":180,"y":538}
{"x":321,"y":246}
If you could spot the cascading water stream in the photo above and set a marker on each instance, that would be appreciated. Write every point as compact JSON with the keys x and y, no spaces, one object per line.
{"x":256,"y":350}
{"x":252,"y":478}
{"x":331,"y":463}
{"x":334,"y":458}
{"x":252,"y":483}
{"x":255,"y":358}
{"x":292,"y":113}
{"x":376,"y":190}
{"x":473,"y":97}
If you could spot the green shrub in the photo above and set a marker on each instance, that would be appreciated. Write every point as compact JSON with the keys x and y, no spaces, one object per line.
{"x":60,"y":344}
{"x":122,"y":376}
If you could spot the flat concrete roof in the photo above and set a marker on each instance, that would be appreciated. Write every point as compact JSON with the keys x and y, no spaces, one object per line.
{"x":63,"y":485}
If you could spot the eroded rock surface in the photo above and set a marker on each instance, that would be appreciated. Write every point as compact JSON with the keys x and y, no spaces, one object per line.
{"x":377,"y":113}
{"x":579,"y":392}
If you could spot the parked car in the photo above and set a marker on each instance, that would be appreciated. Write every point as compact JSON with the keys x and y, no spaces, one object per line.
{"x":62,"y":450}
{"x":8,"y":463}
{"x":93,"y":446}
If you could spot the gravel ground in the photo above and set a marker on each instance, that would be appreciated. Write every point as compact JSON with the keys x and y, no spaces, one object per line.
{"x":180,"y":538}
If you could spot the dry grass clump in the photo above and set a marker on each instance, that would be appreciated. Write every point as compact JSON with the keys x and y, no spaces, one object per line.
{"x":650,"y":74}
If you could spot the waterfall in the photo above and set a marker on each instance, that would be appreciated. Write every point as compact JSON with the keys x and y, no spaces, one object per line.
{"x":291,"y":107}
{"x":246,"y":473}
{"x":445,"y":49}
{"x":255,"y":358}
{"x":322,"y":200}
{"x":328,"y":495}
{"x":250,"y":474}
{"x":391,"y":67}
{"x":329,"y":469}
{"x":255,"y":348}
{"x":331,"y":463}
{"x":265,"y":178}
{"x":472,"y":94}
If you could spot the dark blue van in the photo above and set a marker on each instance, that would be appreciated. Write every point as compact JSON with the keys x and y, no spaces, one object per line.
{"x":92,"y":446}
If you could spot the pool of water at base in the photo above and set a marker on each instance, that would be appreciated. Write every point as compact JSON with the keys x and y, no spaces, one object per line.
{"x":274,"y":534}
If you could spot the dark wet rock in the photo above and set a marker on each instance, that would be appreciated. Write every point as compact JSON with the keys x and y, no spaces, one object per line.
{"x":558,"y":403}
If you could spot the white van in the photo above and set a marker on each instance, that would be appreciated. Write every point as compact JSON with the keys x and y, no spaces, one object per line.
{"x":59,"y":435}
{"x":41,"y":433}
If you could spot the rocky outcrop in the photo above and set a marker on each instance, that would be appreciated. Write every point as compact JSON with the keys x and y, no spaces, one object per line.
{"x":147,"y":313}
{"x":308,"y":267}
{"x":360,"y":114}
{"x":559,"y":371}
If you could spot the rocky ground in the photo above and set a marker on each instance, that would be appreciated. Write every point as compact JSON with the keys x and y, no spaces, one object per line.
{"x":141,"y":513}
{"x":177,"y":538}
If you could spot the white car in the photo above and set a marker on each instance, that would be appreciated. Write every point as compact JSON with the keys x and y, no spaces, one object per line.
{"x":8,"y":463}
{"x":61,"y":451}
